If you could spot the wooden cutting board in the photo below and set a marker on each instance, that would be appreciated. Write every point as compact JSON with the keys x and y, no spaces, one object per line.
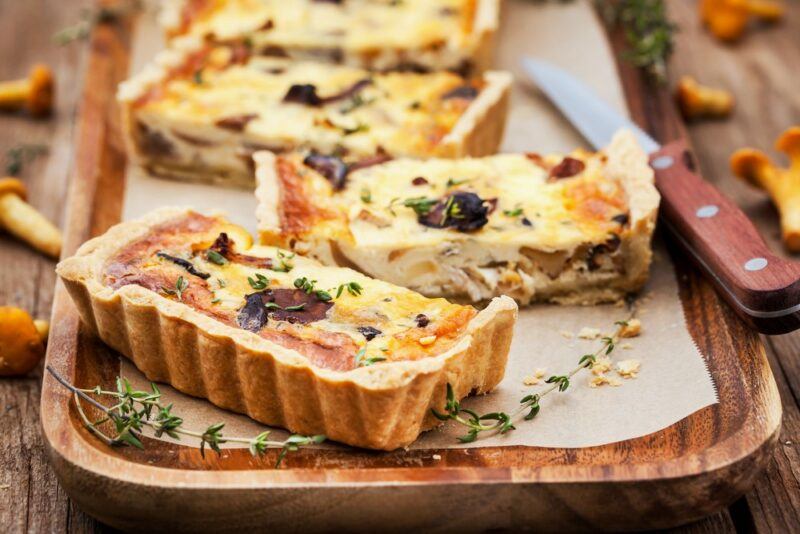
{"x":673,"y":476}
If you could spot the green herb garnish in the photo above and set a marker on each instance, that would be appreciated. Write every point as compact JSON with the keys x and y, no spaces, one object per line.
{"x":180,"y":286}
{"x":132,"y":410}
{"x":260,"y":282}
{"x":421,"y":205}
{"x":215,"y":257}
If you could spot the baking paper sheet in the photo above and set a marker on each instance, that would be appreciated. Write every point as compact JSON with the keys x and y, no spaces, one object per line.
{"x":673,"y":381}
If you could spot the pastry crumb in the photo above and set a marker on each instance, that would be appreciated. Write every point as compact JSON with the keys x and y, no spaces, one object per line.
{"x":566,"y":334}
{"x":626,"y":346}
{"x":529,"y":380}
{"x":437,"y":456}
{"x":603,"y":380}
{"x":601,"y":365}
{"x":628,"y":368}
{"x":631,"y":329}
{"x":535,"y":378}
{"x":589,"y":333}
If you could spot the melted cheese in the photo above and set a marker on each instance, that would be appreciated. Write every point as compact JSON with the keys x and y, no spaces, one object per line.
{"x":390,"y":309}
{"x":361,"y":26}
{"x":401,"y":113}
{"x":563,"y":213}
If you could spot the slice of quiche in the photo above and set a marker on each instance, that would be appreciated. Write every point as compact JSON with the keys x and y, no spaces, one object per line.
{"x":568,"y":229}
{"x":200,"y":111}
{"x":374,"y":34}
{"x":279,"y":337}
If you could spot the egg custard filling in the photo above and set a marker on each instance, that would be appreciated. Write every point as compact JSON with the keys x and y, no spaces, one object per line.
{"x":200,"y":111}
{"x":572,"y":229}
{"x":335,"y":317}
{"x":375,"y":34}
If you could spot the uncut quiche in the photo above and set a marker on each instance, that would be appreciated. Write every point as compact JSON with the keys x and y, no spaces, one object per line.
{"x":281,"y":338}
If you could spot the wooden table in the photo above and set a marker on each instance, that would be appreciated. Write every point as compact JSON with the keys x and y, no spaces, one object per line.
{"x":763,"y":71}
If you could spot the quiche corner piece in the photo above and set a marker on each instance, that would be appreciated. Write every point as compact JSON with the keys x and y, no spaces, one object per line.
{"x":573,"y":228}
{"x":282,"y":338}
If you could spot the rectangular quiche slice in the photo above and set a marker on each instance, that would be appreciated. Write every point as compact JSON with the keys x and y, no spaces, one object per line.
{"x":568,"y":229}
{"x":279,"y":337}
{"x":415,"y":35}
{"x":200,"y":111}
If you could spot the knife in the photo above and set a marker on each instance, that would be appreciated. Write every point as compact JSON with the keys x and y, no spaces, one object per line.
{"x":763,"y":289}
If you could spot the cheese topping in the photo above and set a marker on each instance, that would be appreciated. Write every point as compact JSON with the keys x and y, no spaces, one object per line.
{"x":361,"y":26}
{"x":395,"y":204}
{"x":336,"y":317}
{"x":280,"y":104}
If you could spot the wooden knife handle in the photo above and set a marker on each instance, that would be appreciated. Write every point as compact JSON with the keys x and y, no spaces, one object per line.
{"x":763,"y":288}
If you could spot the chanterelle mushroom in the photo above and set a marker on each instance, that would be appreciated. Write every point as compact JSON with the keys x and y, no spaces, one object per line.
{"x":22,"y":220}
{"x":34,"y":93}
{"x":22,"y":341}
{"x":727,"y":19}
{"x":782,"y":184}
{"x":697,"y":100}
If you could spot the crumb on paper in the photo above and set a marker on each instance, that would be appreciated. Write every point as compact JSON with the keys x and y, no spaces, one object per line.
{"x":603,"y":380}
{"x":626,"y":346}
{"x":535,"y":378}
{"x":628,"y":368}
{"x":601,"y":365}
{"x":437,"y":456}
{"x":589,"y":333}
{"x":530,"y":380}
{"x":566,"y":334}
{"x":632,"y":328}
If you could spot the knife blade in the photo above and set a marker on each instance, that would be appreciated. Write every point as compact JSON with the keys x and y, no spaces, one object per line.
{"x":764,"y":289}
{"x":595,"y":119}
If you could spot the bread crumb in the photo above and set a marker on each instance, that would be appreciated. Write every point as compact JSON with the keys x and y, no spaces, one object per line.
{"x":602,"y":380}
{"x":530,"y":380}
{"x":437,"y":456}
{"x":566,"y":334}
{"x":589,"y":333}
{"x":535,"y":378}
{"x":601,"y":365}
{"x":631,"y":329}
{"x":427,"y":340}
{"x":628,"y":368}
{"x":626,"y":346}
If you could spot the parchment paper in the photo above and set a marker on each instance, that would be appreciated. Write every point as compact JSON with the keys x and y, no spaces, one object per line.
{"x":673,"y":382}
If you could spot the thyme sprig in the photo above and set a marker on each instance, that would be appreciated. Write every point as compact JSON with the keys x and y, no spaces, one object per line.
{"x":502,"y":422}
{"x":89,"y":18}
{"x":648,"y":31}
{"x":134,"y":409}
{"x":19,"y":156}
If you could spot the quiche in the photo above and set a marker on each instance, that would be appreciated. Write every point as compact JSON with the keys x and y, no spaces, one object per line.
{"x":200,"y":111}
{"x":571,"y":229}
{"x":414,"y":35}
{"x":280,"y":337}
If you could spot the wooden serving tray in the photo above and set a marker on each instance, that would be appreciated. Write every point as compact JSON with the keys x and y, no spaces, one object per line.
{"x":674,"y":476}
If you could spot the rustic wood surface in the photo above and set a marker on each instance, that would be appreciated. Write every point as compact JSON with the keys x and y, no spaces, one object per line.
{"x":762,"y":70}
